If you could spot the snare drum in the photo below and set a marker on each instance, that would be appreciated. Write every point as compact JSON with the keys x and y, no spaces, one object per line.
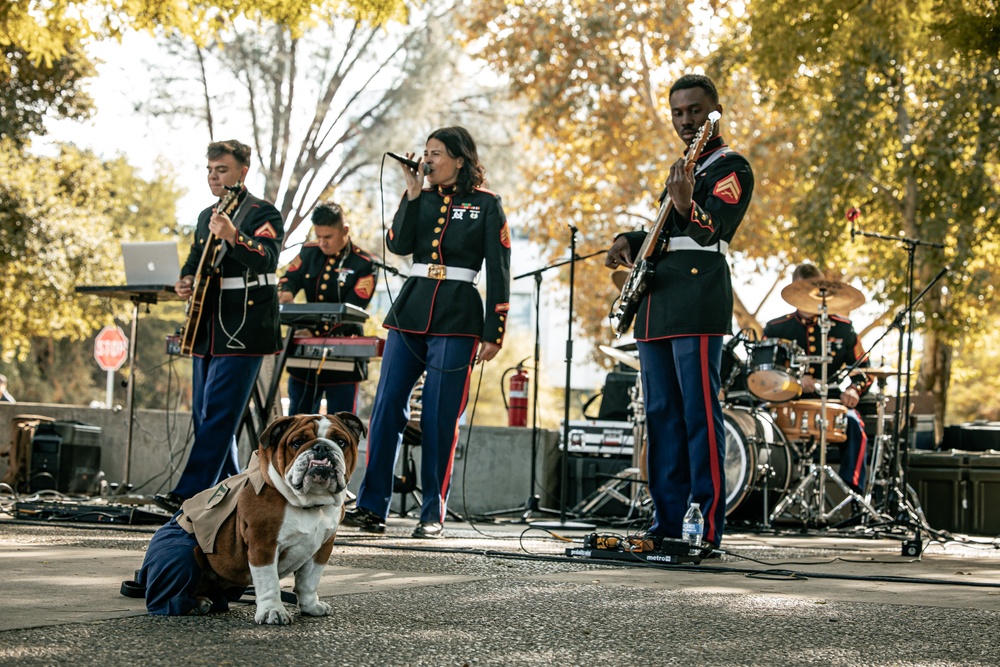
{"x":775,"y":374}
{"x":800,"y":420}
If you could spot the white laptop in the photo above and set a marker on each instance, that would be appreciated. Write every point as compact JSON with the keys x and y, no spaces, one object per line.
{"x":151,"y":263}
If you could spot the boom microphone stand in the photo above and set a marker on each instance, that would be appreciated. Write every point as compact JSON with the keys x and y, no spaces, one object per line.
{"x":564,"y":471}
{"x":531,"y":505}
{"x":904,"y":322}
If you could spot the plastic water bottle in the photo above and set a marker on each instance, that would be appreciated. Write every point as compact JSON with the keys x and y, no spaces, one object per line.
{"x":694,"y":526}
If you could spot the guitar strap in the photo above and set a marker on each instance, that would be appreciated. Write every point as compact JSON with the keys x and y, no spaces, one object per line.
{"x":725,"y":150}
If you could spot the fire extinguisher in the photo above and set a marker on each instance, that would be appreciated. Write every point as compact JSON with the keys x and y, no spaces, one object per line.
{"x":517,"y":408}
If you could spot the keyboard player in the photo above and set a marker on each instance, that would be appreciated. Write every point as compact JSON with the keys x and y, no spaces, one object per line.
{"x":330,"y":269}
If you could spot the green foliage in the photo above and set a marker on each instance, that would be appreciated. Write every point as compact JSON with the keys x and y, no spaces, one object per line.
{"x":33,"y":90}
{"x":61,"y":223}
{"x":49,"y":31}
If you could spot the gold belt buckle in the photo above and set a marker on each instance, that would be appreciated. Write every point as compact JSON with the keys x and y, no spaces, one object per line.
{"x":437,"y":271}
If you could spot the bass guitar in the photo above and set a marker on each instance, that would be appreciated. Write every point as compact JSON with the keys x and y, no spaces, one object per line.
{"x":202,"y":277}
{"x":645,"y":262}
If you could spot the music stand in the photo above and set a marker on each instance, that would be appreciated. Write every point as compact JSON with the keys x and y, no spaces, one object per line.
{"x":137,"y":294}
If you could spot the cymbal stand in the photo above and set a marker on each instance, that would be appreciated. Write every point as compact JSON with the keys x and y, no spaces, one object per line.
{"x":813,"y":505}
{"x":879,"y":471}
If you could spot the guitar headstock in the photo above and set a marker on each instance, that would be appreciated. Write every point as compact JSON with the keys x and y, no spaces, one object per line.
{"x":700,"y":139}
{"x":229,"y":200}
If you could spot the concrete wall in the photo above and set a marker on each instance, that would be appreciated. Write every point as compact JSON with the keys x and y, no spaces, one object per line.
{"x":491,"y":470}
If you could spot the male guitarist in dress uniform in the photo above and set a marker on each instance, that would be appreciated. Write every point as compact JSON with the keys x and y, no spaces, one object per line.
{"x":683,"y":316}
{"x":330,"y":269}
{"x":238,"y":323}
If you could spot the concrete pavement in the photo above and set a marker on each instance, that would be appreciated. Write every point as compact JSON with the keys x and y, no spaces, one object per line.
{"x":507,"y":595}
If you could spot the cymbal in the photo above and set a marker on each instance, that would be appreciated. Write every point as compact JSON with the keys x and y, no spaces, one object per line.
{"x":809,"y":295}
{"x":619,"y":278}
{"x":880,"y":371}
{"x":618,"y":355}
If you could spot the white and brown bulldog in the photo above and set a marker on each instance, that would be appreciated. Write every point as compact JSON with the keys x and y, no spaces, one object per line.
{"x":280,"y":516}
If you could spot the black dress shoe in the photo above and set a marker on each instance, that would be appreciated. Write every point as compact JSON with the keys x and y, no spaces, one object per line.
{"x":168,"y":501}
{"x":428,"y":530}
{"x":364,"y":519}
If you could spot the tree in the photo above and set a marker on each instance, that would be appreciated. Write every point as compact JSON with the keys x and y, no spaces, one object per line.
{"x":318,"y":104}
{"x":594,"y":80}
{"x":49,"y":31}
{"x":61,"y":222}
{"x":903,"y":125}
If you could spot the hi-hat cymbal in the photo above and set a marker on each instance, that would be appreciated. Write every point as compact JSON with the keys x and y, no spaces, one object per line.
{"x":618,"y":355}
{"x":619,"y":278}
{"x":809,"y":295}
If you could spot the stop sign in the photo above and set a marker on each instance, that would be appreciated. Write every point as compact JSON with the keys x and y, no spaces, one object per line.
{"x":111,"y":348}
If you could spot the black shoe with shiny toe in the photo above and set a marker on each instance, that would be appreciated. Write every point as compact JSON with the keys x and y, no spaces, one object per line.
{"x":168,"y":501}
{"x":364,"y":519}
{"x":428,"y":530}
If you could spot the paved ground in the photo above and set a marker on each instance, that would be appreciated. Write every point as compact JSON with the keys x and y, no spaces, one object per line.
{"x":508,"y":595}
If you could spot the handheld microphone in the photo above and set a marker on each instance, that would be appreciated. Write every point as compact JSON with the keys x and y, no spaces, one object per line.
{"x":412,"y":164}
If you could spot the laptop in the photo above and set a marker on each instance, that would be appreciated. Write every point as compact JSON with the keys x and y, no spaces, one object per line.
{"x":151,"y":263}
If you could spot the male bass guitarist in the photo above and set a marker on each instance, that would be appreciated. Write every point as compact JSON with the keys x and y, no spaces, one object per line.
{"x":685,"y":309}
{"x":232,"y":320}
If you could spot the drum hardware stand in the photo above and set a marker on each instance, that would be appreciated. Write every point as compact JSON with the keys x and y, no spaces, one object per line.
{"x":813,"y":504}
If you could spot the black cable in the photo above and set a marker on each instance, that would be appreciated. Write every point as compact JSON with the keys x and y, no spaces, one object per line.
{"x":712,"y":569}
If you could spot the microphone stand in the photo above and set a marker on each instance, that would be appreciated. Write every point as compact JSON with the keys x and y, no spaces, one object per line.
{"x":532,"y":504}
{"x":904,"y":322}
{"x":564,"y":469}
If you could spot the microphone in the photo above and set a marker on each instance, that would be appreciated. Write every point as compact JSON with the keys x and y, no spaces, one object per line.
{"x":412,"y":164}
{"x":852,"y":215}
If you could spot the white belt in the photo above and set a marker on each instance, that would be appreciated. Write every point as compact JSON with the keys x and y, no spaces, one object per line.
{"x":237,"y":282}
{"x":444,"y":272}
{"x":688,"y":243}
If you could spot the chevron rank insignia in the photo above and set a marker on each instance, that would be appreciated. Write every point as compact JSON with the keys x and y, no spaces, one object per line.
{"x":266,"y":231}
{"x":728,"y":189}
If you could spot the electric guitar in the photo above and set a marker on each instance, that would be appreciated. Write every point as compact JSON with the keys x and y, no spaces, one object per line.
{"x":202,"y":277}
{"x":642,"y":270}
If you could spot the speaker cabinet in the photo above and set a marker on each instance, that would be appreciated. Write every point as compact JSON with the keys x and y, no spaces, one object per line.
{"x":65,"y":457}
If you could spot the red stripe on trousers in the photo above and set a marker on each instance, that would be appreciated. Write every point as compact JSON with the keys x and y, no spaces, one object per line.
{"x":713,"y":450}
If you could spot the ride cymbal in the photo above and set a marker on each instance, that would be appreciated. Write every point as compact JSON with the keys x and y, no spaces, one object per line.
{"x":618,"y":355}
{"x":809,"y":295}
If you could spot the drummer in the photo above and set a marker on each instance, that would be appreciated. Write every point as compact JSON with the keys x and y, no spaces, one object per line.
{"x":803,"y":328}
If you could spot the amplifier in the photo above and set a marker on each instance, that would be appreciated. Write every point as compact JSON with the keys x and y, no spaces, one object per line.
{"x":65,"y":457}
{"x":598,"y":437}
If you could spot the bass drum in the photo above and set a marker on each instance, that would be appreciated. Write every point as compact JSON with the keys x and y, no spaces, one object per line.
{"x":756,"y":453}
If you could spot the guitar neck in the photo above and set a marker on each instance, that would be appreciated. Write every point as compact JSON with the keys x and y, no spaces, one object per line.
{"x":648,"y":247}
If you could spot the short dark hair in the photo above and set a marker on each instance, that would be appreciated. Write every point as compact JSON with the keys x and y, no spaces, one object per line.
{"x":696,"y":81}
{"x":460,"y":143}
{"x":240,"y":151}
{"x":328,"y":214}
{"x":806,"y":272}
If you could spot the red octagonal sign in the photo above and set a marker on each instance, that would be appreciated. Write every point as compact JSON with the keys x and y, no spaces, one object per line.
{"x":111,"y":348}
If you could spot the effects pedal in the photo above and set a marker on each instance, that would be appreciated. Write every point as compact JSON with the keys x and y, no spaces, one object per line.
{"x":633,"y":548}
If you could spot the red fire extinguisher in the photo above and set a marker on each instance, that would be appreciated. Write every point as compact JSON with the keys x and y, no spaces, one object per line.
{"x":517,"y":409}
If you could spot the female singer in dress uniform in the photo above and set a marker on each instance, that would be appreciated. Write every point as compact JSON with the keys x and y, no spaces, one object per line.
{"x":438,"y":323}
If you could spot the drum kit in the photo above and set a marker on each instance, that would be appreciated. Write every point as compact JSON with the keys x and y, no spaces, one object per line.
{"x":776,"y":443}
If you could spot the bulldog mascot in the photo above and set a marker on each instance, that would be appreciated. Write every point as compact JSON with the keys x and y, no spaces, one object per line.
{"x":276,"y":518}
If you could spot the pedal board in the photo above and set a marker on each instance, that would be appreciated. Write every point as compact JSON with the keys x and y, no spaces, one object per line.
{"x":67,"y":511}
{"x":604,"y":547}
